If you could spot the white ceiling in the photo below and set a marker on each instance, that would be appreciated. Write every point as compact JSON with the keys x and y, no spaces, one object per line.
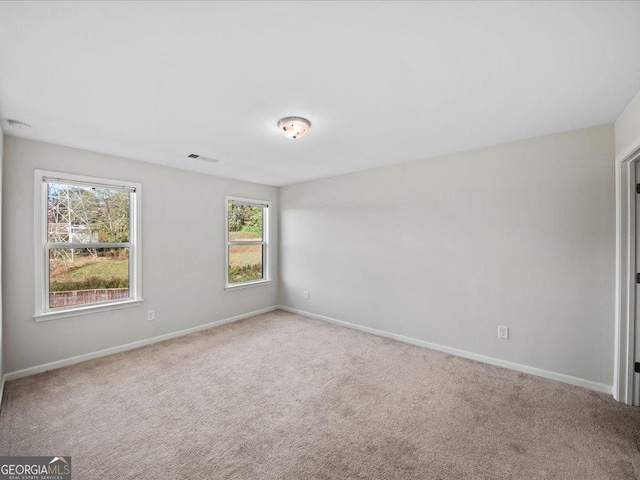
{"x":381,"y":82}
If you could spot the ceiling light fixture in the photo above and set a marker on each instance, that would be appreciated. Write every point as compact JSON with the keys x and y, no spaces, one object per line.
{"x":294,"y":127}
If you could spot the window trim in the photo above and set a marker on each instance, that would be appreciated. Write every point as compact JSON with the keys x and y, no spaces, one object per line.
{"x":266,"y":260}
{"x":41,"y":262}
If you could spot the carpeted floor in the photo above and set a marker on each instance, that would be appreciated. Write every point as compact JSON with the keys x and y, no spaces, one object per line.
{"x":281,"y":396}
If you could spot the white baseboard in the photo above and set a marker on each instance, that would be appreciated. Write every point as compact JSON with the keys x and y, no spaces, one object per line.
{"x":599,"y":387}
{"x":129,"y":346}
{"x":561,"y":377}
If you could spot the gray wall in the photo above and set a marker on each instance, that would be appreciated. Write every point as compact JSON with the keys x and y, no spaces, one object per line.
{"x":628,"y":126}
{"x":445,"y":249}
{"x":182,"y":255}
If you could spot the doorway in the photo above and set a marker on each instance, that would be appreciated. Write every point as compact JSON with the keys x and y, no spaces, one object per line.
{"x":626,"y":387}
{"x":635,"y":337}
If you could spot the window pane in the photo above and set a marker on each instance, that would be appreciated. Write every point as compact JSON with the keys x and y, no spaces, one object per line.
{"x":245,"y":222}
{"x":81,"y":276}
{"x":245,"y":263}
{"x":83,"y":214}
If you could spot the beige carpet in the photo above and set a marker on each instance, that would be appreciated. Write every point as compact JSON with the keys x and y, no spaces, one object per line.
{"x":281,"y":396}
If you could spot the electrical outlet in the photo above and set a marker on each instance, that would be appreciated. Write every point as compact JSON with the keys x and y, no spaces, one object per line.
{"x":151,"y":315}
{"x":306,"y":294}
{"x":503,"y":332}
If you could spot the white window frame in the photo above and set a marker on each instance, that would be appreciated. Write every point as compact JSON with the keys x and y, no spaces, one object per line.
{"x":266,"y":220}
{"x":41,"y":252}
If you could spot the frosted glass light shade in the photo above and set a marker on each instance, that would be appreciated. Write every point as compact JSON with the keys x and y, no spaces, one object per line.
{"x":294,"y":127}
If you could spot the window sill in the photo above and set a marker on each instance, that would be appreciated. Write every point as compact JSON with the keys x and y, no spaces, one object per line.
{"x":239,"y":286}
{"x":75,"y":312}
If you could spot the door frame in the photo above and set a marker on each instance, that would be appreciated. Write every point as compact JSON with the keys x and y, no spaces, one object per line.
{"x":624,"y":357}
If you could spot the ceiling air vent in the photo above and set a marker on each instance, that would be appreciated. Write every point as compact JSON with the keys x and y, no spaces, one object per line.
{"x":203,"y":158}
{"x":18,"y":124}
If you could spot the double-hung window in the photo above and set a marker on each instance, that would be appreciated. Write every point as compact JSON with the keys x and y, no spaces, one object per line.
{"x":247,"y":242}
{"x":87,"y":255}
